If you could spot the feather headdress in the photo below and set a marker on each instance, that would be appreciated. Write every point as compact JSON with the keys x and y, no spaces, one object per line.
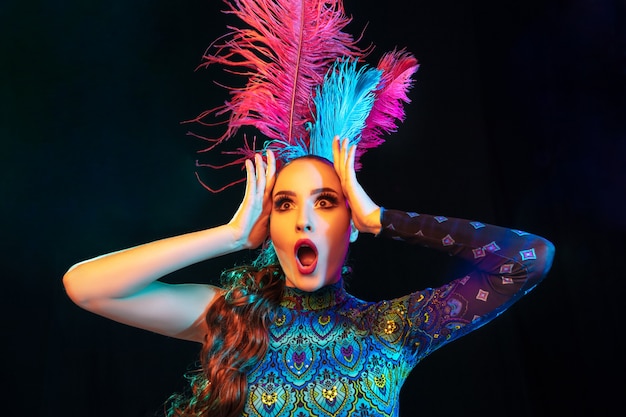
{"x":304,"y":84}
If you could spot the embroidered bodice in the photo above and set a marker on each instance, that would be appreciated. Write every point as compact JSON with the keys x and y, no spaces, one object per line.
{"x":332,"y":354}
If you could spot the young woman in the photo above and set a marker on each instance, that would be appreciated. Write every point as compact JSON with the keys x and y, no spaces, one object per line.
{"x":282,"y":337}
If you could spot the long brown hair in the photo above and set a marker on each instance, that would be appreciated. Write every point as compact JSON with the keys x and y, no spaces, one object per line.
{"x":237,"y":339}
{"x":237,"y":335}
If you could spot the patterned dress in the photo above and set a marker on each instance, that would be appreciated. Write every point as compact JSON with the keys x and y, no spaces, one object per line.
{"x":332,"y":354}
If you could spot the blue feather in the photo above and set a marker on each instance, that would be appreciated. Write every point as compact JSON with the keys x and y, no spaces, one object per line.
{"x":286,"y":151}
{"x":342,"y":104}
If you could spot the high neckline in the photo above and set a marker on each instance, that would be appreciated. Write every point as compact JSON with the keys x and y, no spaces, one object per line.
{"x":325,"y":297}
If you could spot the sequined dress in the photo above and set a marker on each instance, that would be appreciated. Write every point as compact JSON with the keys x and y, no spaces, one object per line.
{"x":332,"y":354}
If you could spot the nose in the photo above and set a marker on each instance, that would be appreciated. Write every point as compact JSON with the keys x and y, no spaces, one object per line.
{"x":304,"y":222}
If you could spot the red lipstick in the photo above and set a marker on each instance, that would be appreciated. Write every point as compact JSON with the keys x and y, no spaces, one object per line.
{"x":305,"y":252}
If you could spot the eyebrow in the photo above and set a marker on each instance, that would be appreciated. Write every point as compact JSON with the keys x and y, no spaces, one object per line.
{"x":313,"y":192}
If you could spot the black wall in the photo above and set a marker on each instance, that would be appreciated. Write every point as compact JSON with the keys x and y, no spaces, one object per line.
{"x":517,"y":118}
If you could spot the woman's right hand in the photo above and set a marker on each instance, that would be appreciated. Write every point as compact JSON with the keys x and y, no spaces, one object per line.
{"x":124,"y":285}
{"x":250,"y":224}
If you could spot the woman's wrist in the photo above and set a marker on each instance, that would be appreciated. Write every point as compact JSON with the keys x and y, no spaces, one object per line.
{"x":237,"y":240}
{"x":373,"y":221}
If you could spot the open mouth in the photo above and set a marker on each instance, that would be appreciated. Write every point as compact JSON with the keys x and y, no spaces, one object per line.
{"x":306,"y":256}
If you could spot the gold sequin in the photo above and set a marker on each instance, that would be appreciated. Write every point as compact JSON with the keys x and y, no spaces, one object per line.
{"x":330,"y":394}
{"x":269,"y":399}
{"x":280,"y":320}
{"x":391,"y":327}
{"x":380,"y":381}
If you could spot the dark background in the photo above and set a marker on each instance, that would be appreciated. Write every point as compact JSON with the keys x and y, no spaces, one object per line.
{"x":517,"y":118}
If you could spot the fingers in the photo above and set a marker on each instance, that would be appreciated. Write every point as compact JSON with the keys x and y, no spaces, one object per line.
{"x":350,"y":160}
{"x":270,"y":172}
{"x":260,"y":176}
{"x":251,"y":219}
{"x":337,"y":156}
{"x":343,"y":159}
{"x":365,"y":213}
{"x":255,"y":182}
{"x":250,"y":180}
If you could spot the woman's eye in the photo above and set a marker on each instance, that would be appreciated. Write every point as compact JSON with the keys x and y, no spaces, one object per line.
{"x":327,"y":201}
{"x":282,"y":204}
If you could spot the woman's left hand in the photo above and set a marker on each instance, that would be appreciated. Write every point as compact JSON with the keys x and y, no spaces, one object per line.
{"x":365,"y":213}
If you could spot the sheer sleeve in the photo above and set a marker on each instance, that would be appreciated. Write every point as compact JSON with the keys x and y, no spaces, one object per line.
{"x":507,"y":263}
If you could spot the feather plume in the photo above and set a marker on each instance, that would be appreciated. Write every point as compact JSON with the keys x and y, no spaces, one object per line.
{"x":342,"y":104}
{"x":303,"y":85}
{"x":285,"y":52}
{"x":397,"y":68}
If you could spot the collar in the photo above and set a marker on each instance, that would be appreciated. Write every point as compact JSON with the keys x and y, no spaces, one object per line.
{"x":325,"y":297}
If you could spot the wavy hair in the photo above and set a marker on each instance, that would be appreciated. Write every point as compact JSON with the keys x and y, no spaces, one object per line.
{"x":237,"y":339}
{"x":237,"y":335}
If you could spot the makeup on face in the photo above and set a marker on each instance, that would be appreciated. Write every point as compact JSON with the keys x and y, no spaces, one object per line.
{"x":310,"y":223}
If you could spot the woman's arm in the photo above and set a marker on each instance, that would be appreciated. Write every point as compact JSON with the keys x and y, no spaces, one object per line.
{"x":499,"y":252}
{"x":512,"y":260}
{"x":507,"y":264}
{"x":124,"y":285}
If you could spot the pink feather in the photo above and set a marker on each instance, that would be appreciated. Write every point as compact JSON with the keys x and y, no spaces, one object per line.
{"x":284,"y":53}
{"x":398,"y":68}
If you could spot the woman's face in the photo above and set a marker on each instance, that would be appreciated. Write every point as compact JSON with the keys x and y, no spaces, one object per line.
{"x":310,"y":224}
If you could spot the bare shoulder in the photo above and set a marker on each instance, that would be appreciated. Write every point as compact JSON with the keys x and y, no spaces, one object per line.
{"x":200,"y":295}
{"x":174,"y":310}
